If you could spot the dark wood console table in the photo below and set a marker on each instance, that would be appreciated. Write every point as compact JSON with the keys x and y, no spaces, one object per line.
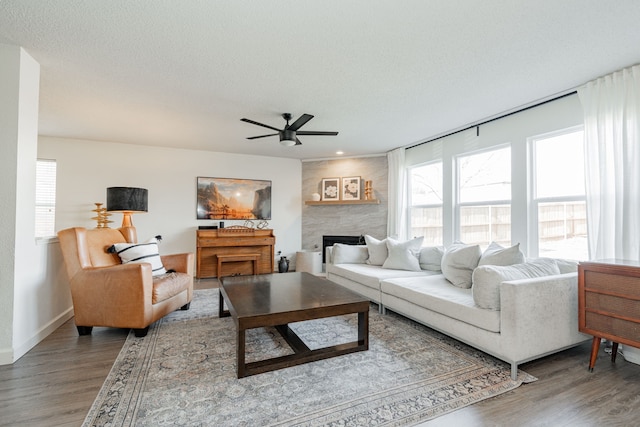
{"x":609,"y":303}
{"x":252,"y":250}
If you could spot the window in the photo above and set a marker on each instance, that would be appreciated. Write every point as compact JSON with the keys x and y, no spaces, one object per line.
{"x":559,"y":201}
{"x":425,"y":190}
{"x":484,"y":197}
{"x":45,"y":197}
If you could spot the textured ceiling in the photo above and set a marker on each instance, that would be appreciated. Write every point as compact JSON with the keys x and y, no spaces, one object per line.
{"x":383,"y":73}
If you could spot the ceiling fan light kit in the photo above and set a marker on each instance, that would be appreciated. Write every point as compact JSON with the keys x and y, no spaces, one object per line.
{"x":289,"y":135}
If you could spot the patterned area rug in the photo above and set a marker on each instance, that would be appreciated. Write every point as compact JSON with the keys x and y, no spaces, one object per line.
{"x":183,"y":373}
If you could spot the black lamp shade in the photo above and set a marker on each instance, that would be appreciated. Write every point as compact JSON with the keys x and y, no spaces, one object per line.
{"x":127,"y":199}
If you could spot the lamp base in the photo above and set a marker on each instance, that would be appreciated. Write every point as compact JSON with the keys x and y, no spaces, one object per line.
{"x":126,"y":219}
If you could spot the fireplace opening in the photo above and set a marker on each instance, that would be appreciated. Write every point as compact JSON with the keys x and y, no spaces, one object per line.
{"x":347,"y":240}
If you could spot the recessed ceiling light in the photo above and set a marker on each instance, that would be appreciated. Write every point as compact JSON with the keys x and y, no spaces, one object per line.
{"x":339,"y":153}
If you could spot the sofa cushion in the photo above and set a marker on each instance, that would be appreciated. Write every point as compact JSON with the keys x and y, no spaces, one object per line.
{"x":369,"y":275}
{"x":377,"y":250}
{"x":458,"y":263}
{"x":139,"y":253}
{"x":430,"y":258}
{"x":487,"y":279}
{"x":349,"y":254}
{"x":496,"y":254}
{"x":403,"y":255}
{"x":435,"y":293}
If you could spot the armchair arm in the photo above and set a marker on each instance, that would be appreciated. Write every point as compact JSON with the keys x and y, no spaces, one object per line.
{"x":182,"y":263}
{"x":117,"y":296}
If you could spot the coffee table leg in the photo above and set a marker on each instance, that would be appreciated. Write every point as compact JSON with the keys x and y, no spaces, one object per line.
{"x":240,"y":353}
{"x":363,"y":329}
{"x":221,"y":311}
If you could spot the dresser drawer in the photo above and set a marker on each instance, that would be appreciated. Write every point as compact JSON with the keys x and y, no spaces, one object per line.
{"x":618,"y":284}
{"x":616,"y":329}
{"x":613,"y":305}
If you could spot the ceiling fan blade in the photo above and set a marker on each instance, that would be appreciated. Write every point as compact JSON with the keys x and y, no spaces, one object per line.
{"x":298,"y":141}
{"x":302,"y":132}
{"x":300,"y":122}
{"x":263,"y":136}
{"x":260,"y":124}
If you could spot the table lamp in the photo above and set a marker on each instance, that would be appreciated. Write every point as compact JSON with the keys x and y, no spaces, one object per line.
{"x":128,"y":200}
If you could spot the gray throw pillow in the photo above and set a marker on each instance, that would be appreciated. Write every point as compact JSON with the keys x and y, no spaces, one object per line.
{"x":431,"y":258}
{"x":377,"y":250}
{"x":349,"y":254}
{"x":458,"y":263}
{"x":403,"y":255}
{"x":496,"y":254}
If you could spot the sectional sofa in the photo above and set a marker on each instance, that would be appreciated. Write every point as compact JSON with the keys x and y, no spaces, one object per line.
{"x":514,"y":309}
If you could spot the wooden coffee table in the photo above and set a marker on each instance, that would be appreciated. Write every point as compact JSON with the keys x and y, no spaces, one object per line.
{"x":279,"y":299}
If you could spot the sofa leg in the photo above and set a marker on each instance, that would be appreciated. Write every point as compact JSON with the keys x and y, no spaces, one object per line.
{"x":141,"y":332}
{"x":84,"y":330}
{"x":514,"y":371}
{"x":186,"y":306}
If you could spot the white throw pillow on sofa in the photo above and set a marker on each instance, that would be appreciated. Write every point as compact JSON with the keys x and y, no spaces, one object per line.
{"x":496,"y":254}
{"x":377,"y":250}
{"x":458,"y":263}
{"x":403,"y":255}
{"x":349,"y":254}
{"x":487,"y":279}
{"x":430,"y":258}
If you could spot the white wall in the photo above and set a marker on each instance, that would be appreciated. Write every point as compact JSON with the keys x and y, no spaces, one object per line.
{"x":32,"y":304}
{"x":86,"y":168}
{"x":514,"y":130}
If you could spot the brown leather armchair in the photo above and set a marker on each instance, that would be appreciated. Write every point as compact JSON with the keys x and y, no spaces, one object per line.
{"x":106,"y":292}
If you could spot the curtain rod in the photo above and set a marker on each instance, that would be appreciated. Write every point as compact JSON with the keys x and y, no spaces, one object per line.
{"x":502,"y":116}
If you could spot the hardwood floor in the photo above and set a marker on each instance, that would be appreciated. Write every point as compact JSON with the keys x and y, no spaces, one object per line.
{"x":56,"y":382}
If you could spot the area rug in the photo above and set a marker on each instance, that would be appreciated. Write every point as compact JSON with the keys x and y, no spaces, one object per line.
{"x":183,"y":373}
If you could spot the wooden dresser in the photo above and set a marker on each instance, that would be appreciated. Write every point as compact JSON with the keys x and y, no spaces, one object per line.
{"x":609,"y":303}
{"x":211,"y":243}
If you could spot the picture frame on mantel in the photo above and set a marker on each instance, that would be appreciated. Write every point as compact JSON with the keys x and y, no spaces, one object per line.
{"x":351,"y":188}
{"x":330,"y":189}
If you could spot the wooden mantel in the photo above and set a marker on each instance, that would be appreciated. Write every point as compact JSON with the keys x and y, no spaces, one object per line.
{"x":211,"y":243}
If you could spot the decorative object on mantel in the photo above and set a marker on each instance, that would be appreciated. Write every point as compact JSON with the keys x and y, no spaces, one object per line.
{"x":102,"y":216}
{"x":330,"y":189}
{"x":315,"y":197}
{"x":351,"y":188}
{"x":128,"y":200}
{"x":368,"y":190}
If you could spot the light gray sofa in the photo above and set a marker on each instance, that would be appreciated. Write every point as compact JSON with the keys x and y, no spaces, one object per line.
{"x":536,"y":316}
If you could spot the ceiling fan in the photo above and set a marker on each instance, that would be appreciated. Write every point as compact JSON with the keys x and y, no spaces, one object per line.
{"x":289,"y":135}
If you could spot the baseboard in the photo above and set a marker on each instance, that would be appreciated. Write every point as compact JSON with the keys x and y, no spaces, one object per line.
{"x":8,"y":357}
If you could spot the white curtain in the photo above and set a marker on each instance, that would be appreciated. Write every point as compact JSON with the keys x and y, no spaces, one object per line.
{"x":612,"y":154}
{"x":397,"y":183}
